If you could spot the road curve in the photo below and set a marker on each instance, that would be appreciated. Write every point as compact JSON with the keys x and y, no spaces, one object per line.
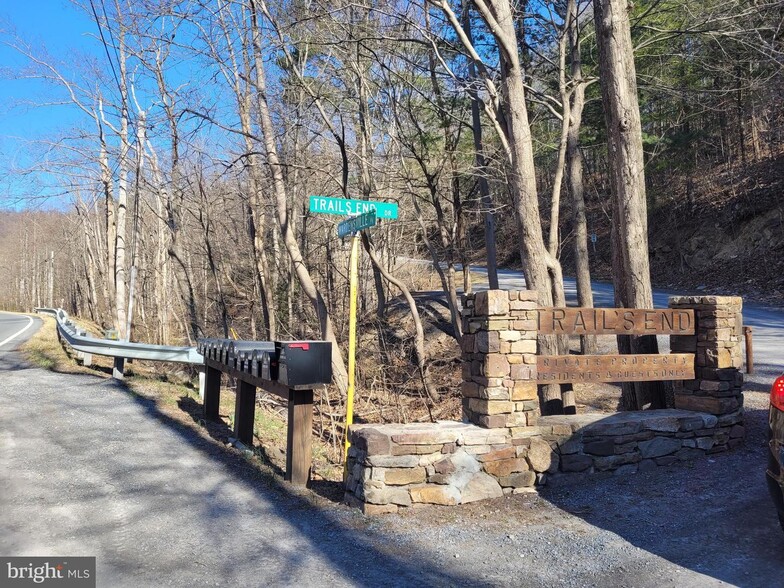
{"x":15,"y":329}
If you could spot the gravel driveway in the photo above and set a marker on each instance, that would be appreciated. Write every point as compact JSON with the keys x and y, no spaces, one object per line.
{"x":87,"y":468}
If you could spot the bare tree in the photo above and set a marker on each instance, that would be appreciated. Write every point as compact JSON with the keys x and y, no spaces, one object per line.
{"x":631,"y":269}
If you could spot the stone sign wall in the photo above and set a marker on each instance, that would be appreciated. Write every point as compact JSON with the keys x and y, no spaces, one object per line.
{"x":506,"y":447}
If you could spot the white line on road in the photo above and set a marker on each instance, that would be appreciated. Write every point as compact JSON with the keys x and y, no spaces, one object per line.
{"x":30,"y":324}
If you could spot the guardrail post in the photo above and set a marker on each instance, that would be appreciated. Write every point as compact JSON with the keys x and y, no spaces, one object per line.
{"x":244,"y":410}
{"x":212,"y":382}
{"x":202,"y":382}
{"x":117,"y":369}
{"x":300,"y":425}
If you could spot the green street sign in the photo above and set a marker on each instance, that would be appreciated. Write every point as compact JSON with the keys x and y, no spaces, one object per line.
{"x":347,"y":207}
{"x":357,"y":223}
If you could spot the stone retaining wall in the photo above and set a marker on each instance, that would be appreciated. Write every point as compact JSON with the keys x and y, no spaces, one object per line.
{"x":449,"y":463}
{"x":505,"y":447}
{"x":446,"y":463}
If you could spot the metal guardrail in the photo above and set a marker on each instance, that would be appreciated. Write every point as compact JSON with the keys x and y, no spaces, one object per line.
{"x":81,"y":341}
{"x":289,"y":369}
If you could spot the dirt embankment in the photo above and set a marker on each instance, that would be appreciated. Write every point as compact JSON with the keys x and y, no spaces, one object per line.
{"x":721,"y":233}
{"x":728,"y":237}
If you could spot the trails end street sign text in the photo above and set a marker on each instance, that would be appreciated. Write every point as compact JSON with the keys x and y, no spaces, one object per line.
{"x":347,"y":207}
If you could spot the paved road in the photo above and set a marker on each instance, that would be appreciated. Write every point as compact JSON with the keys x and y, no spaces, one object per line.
{"x":15,"y":328}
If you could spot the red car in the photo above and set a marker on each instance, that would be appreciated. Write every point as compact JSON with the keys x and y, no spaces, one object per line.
{"x":776,"y":457}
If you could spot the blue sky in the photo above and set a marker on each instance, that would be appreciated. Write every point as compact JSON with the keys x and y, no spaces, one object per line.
{"x":62,"y":31}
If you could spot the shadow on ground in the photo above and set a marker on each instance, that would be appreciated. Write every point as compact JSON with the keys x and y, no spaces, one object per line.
{"x":712,"y":516}
{"x":344,"y":537}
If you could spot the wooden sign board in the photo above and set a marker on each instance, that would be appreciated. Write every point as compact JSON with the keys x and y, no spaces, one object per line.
{"x":557,"y":369}
{"x":615,"y":321}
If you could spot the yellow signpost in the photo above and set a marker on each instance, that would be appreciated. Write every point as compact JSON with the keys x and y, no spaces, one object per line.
{"x":352,"y":226}
{"x":353,"y":281}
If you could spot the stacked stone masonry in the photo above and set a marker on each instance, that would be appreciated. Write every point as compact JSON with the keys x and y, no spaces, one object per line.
{"x":717,"y":388}
{"x":499,"y":358}
{"x":505,"y":447}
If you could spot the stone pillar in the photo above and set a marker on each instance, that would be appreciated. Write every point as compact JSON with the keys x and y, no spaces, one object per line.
{"x":499,"y":358}
{"x":717,"y":345}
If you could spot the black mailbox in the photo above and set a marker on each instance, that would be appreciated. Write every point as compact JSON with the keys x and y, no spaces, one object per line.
{"x":268,"y":369}
{"x":303,"y":363}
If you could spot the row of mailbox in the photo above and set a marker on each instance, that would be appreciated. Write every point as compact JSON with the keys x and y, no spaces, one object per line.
{"x":291,"y":363}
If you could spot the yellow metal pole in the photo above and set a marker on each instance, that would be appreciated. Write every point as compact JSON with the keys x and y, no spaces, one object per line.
{"x":352,"y":342}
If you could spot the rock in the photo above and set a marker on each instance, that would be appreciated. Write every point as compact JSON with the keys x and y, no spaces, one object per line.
{"x":614,"y":461}
{"x":498,"y":454}
{"x":434,"y":436}
{"x":387,"y":495}
{"x":524,"y":390}
{"x":378,"y":509}
{"x":490,"y":406}
{"x":481,"y":487}
{"x":445,"y":466}
{"x":526,"y":490}
{"x":464,"y":467}
{"x":505,"y":467}
{"x":404,"y":476}
{"x":433,"y":494}
{"x":693,"y":424}
{"x":477,"y":449}
{"x":449,"y":448}
{"x":605,"y":447}
{"x":626,"y":448}
{"x":568,"y":446}
{"x":393,"y":461}
{"x":625,"y":470}
{"x":576,"y":462}
{"x":477,"y":436}
{"x":491,"y":303}
{"x":646,"y":465}
{"x":496,"y":421}
{"x":615,"y":425}
{"x":488,"y":342}
{"x":734,"y":418}
{"x":541,"y":456}
{"x":370,"y":440}
{"x":496,"y":365}
{"x":519,"y":480}
{"x":705,"y":443}
{"x":659,"y":446}
{"x":416,"y":449}
{"x":688,"y":453}
{"x":525,"y":346}
{"x":707,"y":404}
{"x":427,"y":460}
{"x":737,"y":431}
{"x":662,"y":424}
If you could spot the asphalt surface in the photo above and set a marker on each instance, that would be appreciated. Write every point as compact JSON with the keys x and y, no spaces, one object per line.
{"x":15,"y":328}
